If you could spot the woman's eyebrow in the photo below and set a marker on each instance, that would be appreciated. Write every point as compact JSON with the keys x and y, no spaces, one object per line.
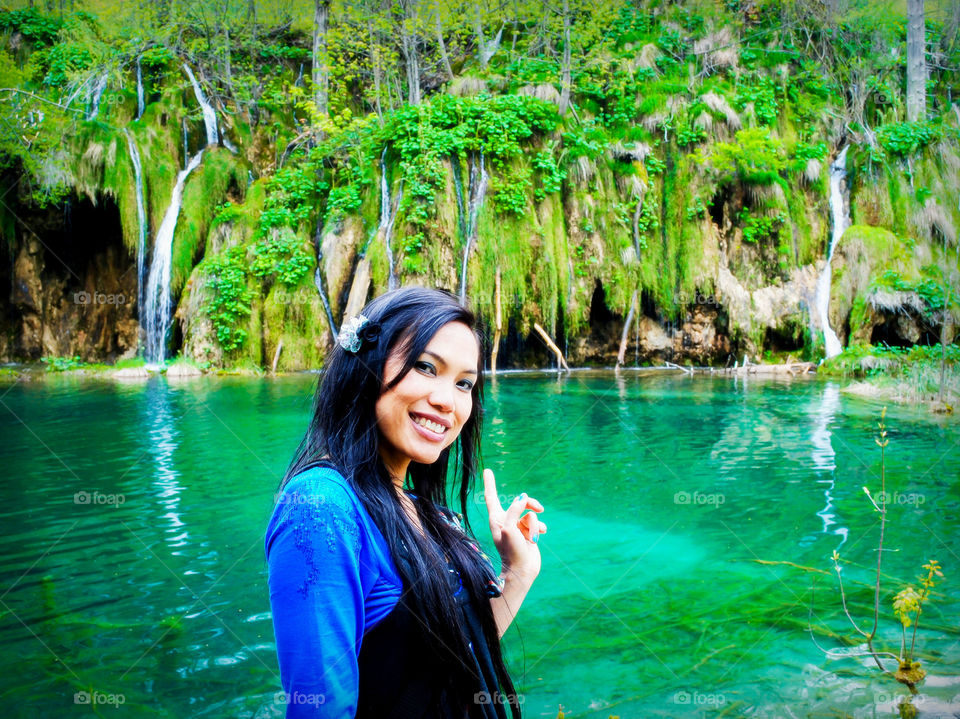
{"x":442,"y":361}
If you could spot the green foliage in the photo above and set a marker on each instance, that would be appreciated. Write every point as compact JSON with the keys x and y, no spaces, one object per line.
{"x":907,"y":138}
{"x":510,"y":191}
{"x":63,"y":364}
{"x":586,"y":140}
{"x":281,"y":255}
{"x":230,"y":299}
{"x":549,"y":175}
{"x":756,"y":157}
{"x":649,"y":220}
{"x":760,"y":228}
{"x":763,"y":96}
{"x":930,"y":288}
{"x":35,"y":27}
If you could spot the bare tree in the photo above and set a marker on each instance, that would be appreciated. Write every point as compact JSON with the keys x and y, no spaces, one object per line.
{"x":916,"y":62}
{"x":565,"y":70}
{"x":408,"y":46}
{"x":321,"y":67}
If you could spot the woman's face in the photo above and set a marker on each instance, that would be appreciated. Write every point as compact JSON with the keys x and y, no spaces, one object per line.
{"x":424,"y":413}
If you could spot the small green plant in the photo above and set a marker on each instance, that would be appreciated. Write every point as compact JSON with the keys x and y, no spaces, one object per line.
{"x":230,"y":297}
{"x":907,"y":605}
{"x":63,"y":364}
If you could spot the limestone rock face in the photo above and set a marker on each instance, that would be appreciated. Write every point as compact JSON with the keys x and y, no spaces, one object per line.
{"x":72,"y":305}
{"x":339,"y":248}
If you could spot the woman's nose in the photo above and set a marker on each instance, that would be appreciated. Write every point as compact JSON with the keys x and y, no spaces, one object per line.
{"x":442,"y":397}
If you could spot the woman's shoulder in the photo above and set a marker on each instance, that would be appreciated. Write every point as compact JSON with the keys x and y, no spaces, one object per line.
{"x":323,"y":482}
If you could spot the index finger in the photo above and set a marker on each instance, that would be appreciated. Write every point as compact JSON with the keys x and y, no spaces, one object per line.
{"x":490,"y":492}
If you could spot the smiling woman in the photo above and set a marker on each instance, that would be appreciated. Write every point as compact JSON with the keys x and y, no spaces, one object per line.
{"x":383,"y":602}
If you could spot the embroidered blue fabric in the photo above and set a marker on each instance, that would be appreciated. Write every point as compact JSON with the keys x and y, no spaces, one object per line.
{"x":331,"y":579}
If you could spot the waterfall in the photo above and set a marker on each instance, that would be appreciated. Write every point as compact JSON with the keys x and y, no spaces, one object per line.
{"x":458,"y":188}
{"x":388,"y":214}
{"x":141,"y":103}
{"x":157,"y":300}
{"x":186,"y":144}
{"x":318,"y":282}
{"x":141,"y":217}
{"x":209,"y":116}
{"x":95,"y":96}
{"x":838,"y":173}
{"x":478,"y":188}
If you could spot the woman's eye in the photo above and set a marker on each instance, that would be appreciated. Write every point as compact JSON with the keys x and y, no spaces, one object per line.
{"x":465,"y":384}
{"x":424,"y":367}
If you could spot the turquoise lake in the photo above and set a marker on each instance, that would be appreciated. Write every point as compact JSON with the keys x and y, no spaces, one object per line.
{"x":691,"y":524}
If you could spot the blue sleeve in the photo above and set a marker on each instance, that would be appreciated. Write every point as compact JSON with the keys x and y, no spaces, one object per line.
{"x":318,"y":581}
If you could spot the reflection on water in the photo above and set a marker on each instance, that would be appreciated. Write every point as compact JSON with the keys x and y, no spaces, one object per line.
{"x":162,"y":437}
{"x":672,"y":503}
{"x":824,"y":459}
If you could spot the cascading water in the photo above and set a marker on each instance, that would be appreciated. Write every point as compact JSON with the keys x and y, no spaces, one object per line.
{"x":388,"y":213}
{"x":95,"y":96}
{"x":478,"y":188}
{"x":458,"y":187}
{"x":838,"y":173}
{"x":141,"y":217}
{"x":141,"y":101}
{"x":209,"y":115}
{"x":318,"y":283}
{"x":157,"y":301}
{"x":186,"y":145}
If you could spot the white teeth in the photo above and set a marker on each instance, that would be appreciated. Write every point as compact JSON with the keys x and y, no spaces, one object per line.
{"x":432,"y":426}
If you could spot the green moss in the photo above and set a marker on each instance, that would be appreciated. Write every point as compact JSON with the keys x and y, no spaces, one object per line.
{"x":205,"y":189}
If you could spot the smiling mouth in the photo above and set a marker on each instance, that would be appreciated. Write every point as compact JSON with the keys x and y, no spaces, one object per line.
{"x":433,"y":427}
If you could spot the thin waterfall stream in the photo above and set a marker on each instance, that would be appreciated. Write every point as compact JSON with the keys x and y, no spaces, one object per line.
{"x":158,"y":302}
{"x":209,"y":115}
{"x":141,"y":218}
{"x":838,"y":174}
{"x":478,"y":189}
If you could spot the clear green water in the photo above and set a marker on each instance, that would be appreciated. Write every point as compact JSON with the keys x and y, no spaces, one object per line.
{"x":647,"y":605}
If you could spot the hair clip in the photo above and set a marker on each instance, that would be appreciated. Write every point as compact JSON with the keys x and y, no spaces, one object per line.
{"x":356,"y":331}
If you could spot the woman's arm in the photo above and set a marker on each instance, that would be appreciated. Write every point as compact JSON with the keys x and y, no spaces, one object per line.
{"x":316,"y":595}
{"x":506,"y":606}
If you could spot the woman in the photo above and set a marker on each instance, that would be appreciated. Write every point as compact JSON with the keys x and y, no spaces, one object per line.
{"x":383,"y":604}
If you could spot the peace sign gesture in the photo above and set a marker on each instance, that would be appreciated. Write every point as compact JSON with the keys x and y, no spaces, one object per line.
{"x":515,"y":536}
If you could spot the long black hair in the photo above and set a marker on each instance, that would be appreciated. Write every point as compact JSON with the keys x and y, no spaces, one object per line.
{"x":343,"y":434}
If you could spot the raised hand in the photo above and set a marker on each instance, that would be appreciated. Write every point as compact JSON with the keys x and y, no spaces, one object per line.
{"x":515,"y":534}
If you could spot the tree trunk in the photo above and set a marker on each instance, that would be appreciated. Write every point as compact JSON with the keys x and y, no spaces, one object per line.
{"x":377,"y":72}
{"x":411,"y":61}
{"x":321,"y":70}
{"x":916,"y":62}
{"x":565,"y":76}
{"x":442,"y":46}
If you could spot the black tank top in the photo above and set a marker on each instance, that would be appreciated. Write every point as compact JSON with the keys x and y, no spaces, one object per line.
{"x":399,"y":669}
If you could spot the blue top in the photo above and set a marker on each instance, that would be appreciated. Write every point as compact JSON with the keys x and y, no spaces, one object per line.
{"x":331,"y":579}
